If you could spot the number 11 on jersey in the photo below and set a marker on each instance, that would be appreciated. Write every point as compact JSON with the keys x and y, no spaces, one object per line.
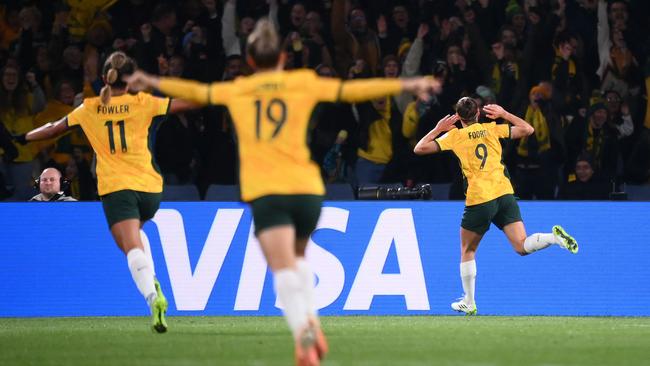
{"x":111,"y":139}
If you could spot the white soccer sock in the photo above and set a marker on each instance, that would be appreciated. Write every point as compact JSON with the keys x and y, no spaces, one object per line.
{"x":142,"y":273}
{"x":538,"y":241}
{"x":468,"y":275}
{"x":288,"y":287}
{"x":307,"y":278}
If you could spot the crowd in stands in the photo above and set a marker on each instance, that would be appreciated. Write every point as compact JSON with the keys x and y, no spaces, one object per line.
{"x":577,"y":70}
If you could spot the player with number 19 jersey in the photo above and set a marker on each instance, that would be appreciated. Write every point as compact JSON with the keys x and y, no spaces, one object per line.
{"x":121,"y":133}
{"x":478,"y":148}
{"x":271,"y":113}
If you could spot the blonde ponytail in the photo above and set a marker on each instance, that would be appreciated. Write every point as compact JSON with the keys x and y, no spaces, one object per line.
{"x":115,"y":63}
{"x":263,"y":44}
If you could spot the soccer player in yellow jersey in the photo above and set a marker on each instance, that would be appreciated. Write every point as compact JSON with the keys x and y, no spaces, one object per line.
{"x":271,"y":111}
{"x":119,"y":126}
{"x":489,"y":194}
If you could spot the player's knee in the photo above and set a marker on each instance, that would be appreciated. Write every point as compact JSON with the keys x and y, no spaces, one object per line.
{"x":519,"y":248}
{"x":467,"y":249}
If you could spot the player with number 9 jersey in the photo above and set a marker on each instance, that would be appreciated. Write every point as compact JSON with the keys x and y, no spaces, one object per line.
{"x":489,"y":194}
{"x":486,"y":179}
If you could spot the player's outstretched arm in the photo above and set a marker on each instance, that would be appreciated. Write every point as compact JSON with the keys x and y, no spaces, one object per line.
{"x":192,"y":91}
{"x":428,"y":145}
{"x":47,"y":131}
{"x":520,"y":128}
{"x":181,"y":105}
{"x":368,"y":89}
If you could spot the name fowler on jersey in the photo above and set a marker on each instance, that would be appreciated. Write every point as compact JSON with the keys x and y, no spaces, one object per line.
{"x":478,"y":134}
{"x":112,"y":109}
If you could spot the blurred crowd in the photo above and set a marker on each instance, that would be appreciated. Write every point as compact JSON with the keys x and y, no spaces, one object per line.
{"x":577,"y":70}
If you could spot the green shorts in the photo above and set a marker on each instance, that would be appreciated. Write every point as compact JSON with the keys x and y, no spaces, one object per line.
{"x":301,"y":211}
{"x":500,"y":211}
{"x":128,"y":204}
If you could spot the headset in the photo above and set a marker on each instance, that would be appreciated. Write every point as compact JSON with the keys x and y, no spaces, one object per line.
{"x":63,"y":182}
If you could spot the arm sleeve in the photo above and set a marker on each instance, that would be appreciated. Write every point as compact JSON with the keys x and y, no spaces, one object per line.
{"x":446,"y":141}
{"x":75,"y":117}
{"x":159,"y":106}
{"x":368,"y":89}
{"x":327,"y":89}
{"x":216,"y":93}
{"x":502,"y":131}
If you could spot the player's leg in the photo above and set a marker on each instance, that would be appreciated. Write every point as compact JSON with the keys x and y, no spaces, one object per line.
{"x":148,"y":204}
{"x":306,"y":211}
{"x":122,"y":213}
{"x":469,"y":244}
{"x":277,"y":236}
{"x":475,"y":223}
{"x":509,"y":220}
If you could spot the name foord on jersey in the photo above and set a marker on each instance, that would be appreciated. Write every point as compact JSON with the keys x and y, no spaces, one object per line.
{"x":113,"y":109}
{"x":477,"y":134}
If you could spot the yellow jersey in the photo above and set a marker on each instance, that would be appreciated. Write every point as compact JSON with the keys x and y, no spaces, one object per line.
{"x":121,"y":133}
{"x":478,"y":148}
{"x":271,"y":112}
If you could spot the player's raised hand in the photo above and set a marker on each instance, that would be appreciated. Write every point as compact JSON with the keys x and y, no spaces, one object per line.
{"x":447,"y":122}
{"x":140,"y":80}
{"x":494,"y":111}
{"x":422,"y":87}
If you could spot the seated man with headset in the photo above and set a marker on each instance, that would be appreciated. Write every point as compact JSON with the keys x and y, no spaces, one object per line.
{"x":51,"y":185}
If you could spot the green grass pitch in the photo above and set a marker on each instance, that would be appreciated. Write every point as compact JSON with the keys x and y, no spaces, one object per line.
{"x":386,"y":340}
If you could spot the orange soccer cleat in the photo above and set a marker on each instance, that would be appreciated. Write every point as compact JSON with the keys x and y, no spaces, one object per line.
{"x":306,"y":352}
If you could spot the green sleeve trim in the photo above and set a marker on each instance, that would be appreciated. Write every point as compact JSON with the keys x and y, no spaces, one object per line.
{"x":437,"y":143}
{"x":338,"y":94}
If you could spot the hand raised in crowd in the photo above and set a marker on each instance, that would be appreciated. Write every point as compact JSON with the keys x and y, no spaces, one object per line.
{"x":447,"y":122}
{"x":494,"y":111}
{"x":625,"y":109}
{"x":423,"y":30}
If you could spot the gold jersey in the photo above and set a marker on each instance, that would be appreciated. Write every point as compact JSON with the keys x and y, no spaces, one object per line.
{"x":121,"y":134}
{"x":478,"y":148}
{"x":271,"y":112}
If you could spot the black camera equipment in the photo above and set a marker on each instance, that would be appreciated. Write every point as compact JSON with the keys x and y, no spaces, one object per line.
{"x":419,"y":192}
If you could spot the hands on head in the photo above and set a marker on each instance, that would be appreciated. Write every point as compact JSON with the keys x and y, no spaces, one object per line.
{"x":447,"y":122}
{"x":494,"y":111}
